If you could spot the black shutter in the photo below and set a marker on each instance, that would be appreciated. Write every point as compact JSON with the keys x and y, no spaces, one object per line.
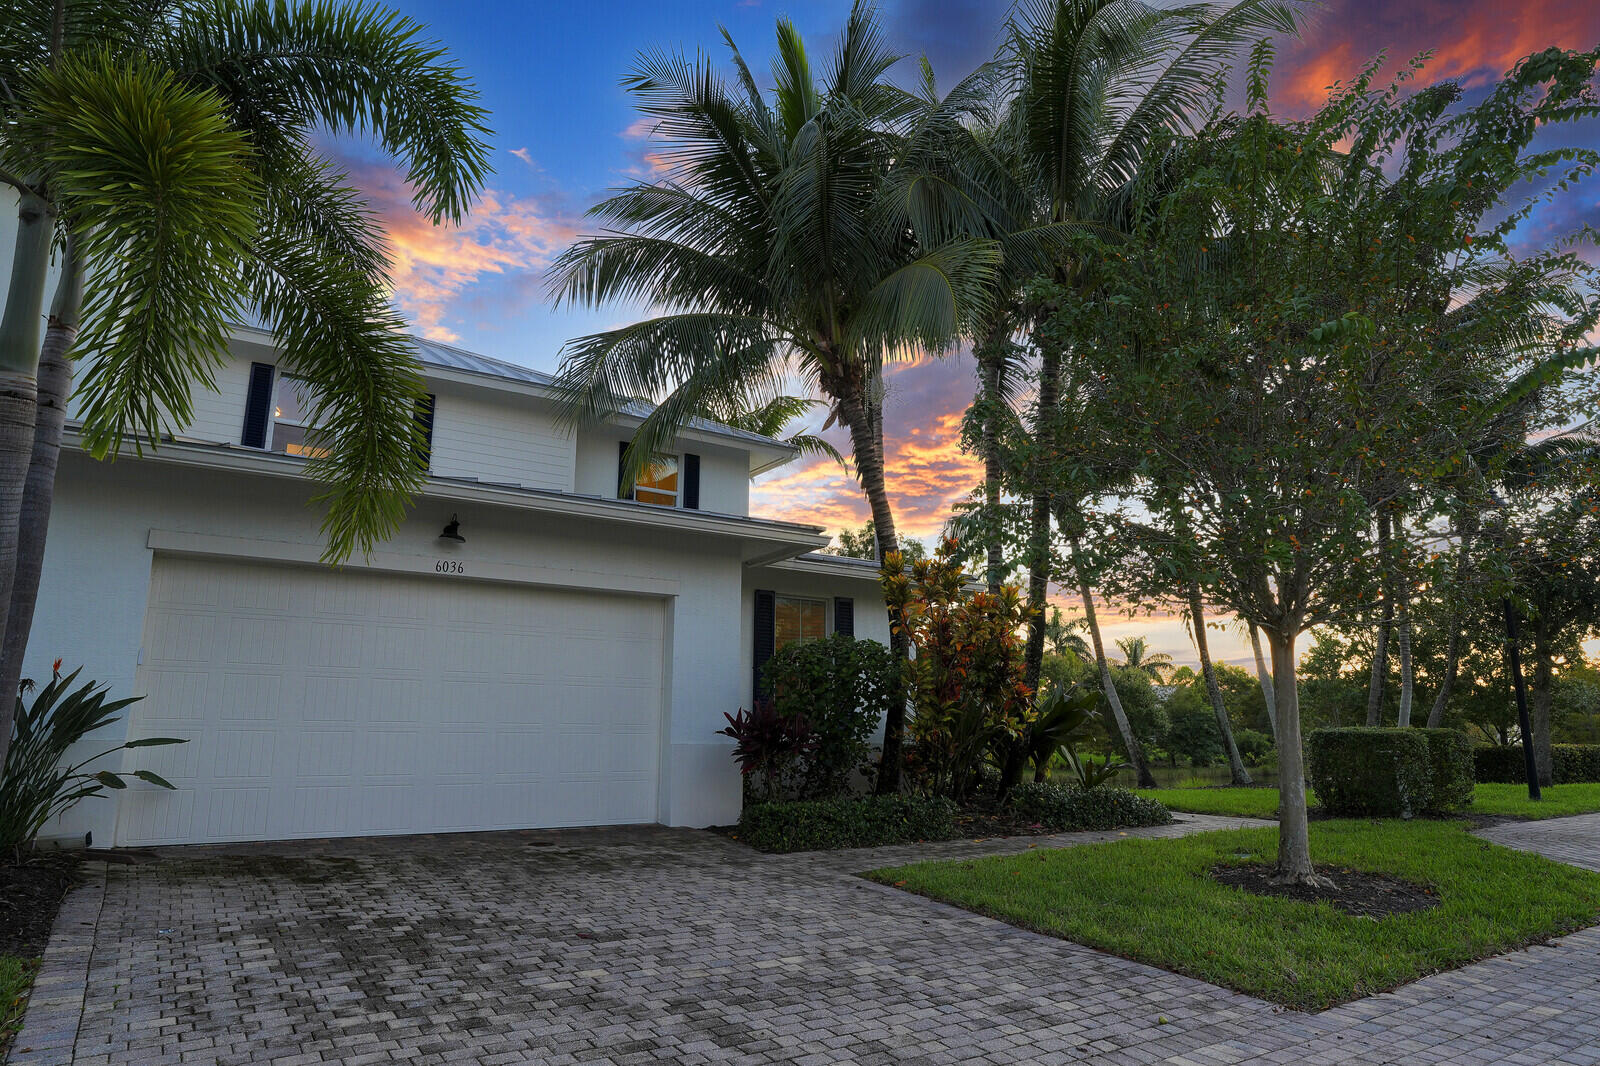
{"x":766,"y":630}
{"x":691,"y":481}
{"x":622,"y":453}
{"x":257,"y":405}
{"x":425,"y":428}
{"x":844,"y":616}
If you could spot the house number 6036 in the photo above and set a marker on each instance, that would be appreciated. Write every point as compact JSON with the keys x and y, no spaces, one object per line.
{"x":448,"y":566}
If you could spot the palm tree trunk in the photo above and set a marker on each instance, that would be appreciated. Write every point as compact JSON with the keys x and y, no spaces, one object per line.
{"x":1236,"y":771}
{"x":1452,"y":651}
{"x":19,"y":362}
{"x":1380,"y":651}
{"x":1539,"y":706}
{"x":1403,"y":636}
{"x":991,"y":366}
{"x":55,"y":386}
{"x":1264,"y":675}
{"x":1294,"y":839}
{"x":1039,"y":527}
{"x":1141,"y":766}
{"x":856,"y":410}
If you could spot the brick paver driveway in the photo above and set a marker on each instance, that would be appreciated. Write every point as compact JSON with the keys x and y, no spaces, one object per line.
{"x":656,"y":945}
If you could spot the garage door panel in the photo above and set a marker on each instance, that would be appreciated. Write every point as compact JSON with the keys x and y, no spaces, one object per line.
{"x":324,"y":703}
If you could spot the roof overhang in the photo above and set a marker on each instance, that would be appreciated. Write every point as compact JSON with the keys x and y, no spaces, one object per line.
{"x":762,"y":540}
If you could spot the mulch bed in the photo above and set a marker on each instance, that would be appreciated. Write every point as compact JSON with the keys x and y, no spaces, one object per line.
{"x":30,"y":895}
{"x":978,"y":822}
{"x":1355,"y":892}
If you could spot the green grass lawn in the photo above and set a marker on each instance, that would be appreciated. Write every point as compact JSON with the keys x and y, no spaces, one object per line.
{"x":16,"y":977}
{"x":1500,"y":800}
{"x":1153,"y":900}
{"x":1242,"y":802}
{"x":1557,"y":801}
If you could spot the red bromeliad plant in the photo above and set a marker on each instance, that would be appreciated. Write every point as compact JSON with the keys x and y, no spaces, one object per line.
{"x":768,"y":744}
{"x":964,"y":680}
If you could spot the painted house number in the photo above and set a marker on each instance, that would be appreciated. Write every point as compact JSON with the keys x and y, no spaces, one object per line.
{"x":449,"y":566}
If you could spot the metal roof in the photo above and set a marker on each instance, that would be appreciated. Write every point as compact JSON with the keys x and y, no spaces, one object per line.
{"x":445,"y":357}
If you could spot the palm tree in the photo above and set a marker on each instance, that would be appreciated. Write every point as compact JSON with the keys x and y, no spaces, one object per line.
{"x":1091,"y":84}
{"x":770,"y":416}
{"x":168,"y":150}
{"x":1063,"y":638}
{"x":1237,"y":774}
{"x":1137,"y":656}
{"x":794,"y":234}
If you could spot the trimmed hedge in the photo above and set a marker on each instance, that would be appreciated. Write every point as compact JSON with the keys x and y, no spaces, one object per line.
{"x":1450,"y":767}
{"x":1370,"y":772}
{"x":1069,"y":809}
{"x":847,"y":822}
{"x":1569,"y":764}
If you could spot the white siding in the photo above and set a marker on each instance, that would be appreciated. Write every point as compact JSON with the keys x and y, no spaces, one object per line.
{"x":724,"y":472}
{"x":506,"y":439}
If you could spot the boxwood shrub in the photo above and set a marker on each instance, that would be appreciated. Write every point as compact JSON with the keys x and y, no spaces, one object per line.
{"x":846,"y":822}
{"x":1070,"y":809}
{"x":1370,"y":772}
{"x":1450,"y":769}
{"x":1569,"y":763}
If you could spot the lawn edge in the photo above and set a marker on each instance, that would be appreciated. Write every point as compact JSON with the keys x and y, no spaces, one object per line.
{"x":1467,"y":827}
{"x":55,"y":999}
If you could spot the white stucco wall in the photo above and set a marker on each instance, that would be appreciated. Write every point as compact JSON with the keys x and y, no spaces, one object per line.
{"x":97,"y":575}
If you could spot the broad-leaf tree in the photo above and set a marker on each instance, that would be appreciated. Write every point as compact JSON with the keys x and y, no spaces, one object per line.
{"x":166,"y":153}
{"x":1260,"y":352}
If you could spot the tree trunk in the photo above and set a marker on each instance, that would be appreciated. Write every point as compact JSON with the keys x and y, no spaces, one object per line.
{"x":1236,"y":771}
{"x":19,"y":362}
{"x":1141,"y":765}
{"x":1294,"y":840}
{"x":1265,"y":676}
{"x":1039,"y":529}
{"x":1402,"y":586}
{"x":1452,"y":651}
{"x":1539,"y":706}
{"x":1380,"y":651}
{"x":55,"y":387}
{"x":991,"y":367}
{"x":866,"y":441}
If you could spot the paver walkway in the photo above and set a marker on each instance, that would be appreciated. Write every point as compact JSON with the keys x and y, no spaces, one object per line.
{"x":657,"y":945}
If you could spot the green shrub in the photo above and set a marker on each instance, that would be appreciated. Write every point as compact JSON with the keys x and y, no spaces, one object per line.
{"x":1367,"y":772}
{"x":1570,"y":764}
{"x":1069,"y":809}
{"x":38,"y":783}
{"x":1254,"y":747}
{"x":841,"y":688}
{"x":1449,"y":768}
{"x":859,"y":822}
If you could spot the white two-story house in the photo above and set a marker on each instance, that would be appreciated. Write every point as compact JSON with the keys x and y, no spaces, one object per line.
{"x":530,"y":650}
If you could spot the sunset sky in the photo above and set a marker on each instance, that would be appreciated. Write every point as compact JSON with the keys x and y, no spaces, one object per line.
{"x":565,"y":133}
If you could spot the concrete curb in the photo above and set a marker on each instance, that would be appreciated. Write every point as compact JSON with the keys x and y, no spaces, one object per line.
{"x":55,"y":1005}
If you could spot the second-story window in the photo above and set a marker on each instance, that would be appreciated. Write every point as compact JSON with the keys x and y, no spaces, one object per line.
{"x":659,"y":482}
{"x":292,"y":407}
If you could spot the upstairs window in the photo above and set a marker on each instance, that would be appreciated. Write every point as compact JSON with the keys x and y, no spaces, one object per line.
{"x":293,"y":405}
{"x":659,"y":482}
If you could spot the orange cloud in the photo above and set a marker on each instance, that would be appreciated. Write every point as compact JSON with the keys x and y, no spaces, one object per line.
{"x":1470,"y":42}
{"x":432,"y":265}
{"x":926,"y":470}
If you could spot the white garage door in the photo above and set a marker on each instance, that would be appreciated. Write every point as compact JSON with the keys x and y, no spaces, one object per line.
{"x":323,"y":703}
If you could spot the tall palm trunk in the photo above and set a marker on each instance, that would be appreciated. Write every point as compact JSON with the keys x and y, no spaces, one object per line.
{"x":1264,"y":675}
{"x":1403,"y":638}
{"x":19,"y":361}
{"x":1236,"y":771}
{"x":1452,"y":651}
{"x":863,"y":417}
{"x":991,"y":368}
{"x":1294,"y":842}
{"x":1380,"y":650}
{"x":1141,"y":766}
{"x":55,"y":387}
{"x":1039,"y":521}
{"x":1540,"y":699}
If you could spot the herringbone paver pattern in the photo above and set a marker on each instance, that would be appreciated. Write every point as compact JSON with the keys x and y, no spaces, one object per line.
{"x":656,"y":945}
